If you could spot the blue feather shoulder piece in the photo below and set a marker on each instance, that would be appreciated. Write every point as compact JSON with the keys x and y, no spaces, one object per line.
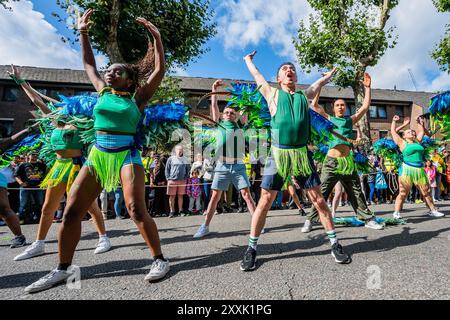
{"x":164,"y":113}
{"x":81,"y":105}
{"x":440,"y":103}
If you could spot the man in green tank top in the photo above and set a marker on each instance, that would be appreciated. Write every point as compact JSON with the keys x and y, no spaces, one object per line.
{"x":289,"y":154}
{"x":339,"y":165}
{"x":230,"y":167}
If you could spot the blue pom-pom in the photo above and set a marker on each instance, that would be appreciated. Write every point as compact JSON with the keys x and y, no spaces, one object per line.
{"x":319,"y":123}
{"x":360,"y":158}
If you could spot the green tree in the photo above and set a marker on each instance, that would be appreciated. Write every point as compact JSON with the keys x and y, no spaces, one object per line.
{"x":348,"y":34}
{"x":4,"y":3}
{"x":442,"y":52}
{"x":185,"y":26}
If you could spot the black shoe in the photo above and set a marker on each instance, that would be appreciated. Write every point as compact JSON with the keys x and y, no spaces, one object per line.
{"x":339,"y":255}
{"x":228,"y":209}
{"x":18,"y":241}
{"x":307,"y":205}
{"x":301,"y":212}
{"x":241,"y":210}
{"x":249,"y":261}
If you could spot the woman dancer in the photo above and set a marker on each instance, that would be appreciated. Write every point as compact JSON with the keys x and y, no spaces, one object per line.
{"x":412,"y":171}
{"x":66,"y":143}
{"x":114,"y":157}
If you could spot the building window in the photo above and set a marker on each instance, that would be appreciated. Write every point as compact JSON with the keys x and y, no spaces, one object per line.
{"x":6,"y":127}
{"x":399,"y":111}
{"x":378,"y":112}
{"x":204,"y":105}
{"x":350,"y":110}
{"x":54,"y":94}
{"x":383,"y":134}
{"x":41,"y":91}
{"x":10,"y":94}
{"x":83,"y":93}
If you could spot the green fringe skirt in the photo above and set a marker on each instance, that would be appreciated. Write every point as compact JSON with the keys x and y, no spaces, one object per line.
{"x":63,"y":171}
{"x":345,"y":165}
{"x":292,"y":162}
{"x":413,"y":175}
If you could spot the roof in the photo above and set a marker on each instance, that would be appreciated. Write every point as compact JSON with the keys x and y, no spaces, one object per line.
{"x":78,"y":77}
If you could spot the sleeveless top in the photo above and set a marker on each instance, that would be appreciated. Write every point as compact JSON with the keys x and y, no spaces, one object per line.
{"x":64,"y":139}
{"x":290,"y":124}
{"x":116,"y":114}
{"x":413,"y":153}
{"x":344,"y":126}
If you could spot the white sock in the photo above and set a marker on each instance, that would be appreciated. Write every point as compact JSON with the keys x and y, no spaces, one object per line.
{"x":103,"y":236}
{"x":42,"y":242}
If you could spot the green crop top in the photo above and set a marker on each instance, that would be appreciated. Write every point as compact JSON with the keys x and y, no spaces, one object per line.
{"x":413,"y":153}
{"x":344,"y":126}
{"x":290,"y":124}
{"x":116,"y":114}
{"x":64,"y":139}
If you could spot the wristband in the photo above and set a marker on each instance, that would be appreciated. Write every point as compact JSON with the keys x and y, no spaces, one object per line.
{"x":18,"y":81}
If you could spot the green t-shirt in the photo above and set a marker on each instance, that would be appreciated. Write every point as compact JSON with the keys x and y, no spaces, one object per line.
{"x":344,"y":126}
{"x":230,"y":140}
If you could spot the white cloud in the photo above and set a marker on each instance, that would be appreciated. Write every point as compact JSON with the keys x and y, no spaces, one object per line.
{"x":28,"y":39}
{"x":419,"y":27}
{"x":247,"y":24}
{"x":178,"y":71}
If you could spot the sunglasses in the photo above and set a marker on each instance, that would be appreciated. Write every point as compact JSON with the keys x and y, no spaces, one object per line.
{"x":230,"y":113}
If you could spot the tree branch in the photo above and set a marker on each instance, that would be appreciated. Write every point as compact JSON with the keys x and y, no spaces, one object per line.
{"x":112,"y":48}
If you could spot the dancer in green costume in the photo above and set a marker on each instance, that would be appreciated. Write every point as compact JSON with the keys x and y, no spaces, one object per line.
{"x":290,"y":156}
{"x":124,"y":93}
{"x":339,"y":164}
{"x":412,"y":171}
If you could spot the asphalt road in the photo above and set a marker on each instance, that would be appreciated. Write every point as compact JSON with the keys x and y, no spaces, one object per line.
{"x":401,"y":262}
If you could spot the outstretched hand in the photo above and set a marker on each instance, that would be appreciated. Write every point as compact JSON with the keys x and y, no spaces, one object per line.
{"x":14,"y":72}
{"x":420,"y":120}
{"x":150,"y":27}
{"x":250,"y":56}
{"x":367,"y":82}
{"x":406,"y":121}
{"x":84,"y":22}
{"x":217,"y":84}
{"x":326,"y":77}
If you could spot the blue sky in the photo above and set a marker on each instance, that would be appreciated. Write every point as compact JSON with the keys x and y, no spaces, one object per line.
{"x":243,"y":26}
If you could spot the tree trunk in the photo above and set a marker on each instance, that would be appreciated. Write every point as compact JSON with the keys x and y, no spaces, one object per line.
{"x":112,"y":47}
{"x":358,"y":92}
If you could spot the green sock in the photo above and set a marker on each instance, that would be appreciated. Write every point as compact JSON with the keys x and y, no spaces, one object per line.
{"x":332,"y":236}
{"x":252,"y":242}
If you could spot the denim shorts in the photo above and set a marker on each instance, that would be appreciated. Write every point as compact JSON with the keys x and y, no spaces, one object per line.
{"x":224,"y":174}
{"x":273,"y":181}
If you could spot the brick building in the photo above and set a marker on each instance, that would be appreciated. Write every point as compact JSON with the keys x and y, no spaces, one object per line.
{"x":16,"y":108}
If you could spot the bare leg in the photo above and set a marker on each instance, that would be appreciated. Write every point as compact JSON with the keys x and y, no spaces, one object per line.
{"x":246,"y":195}
{"x":212,"y":206}
{"x":53,"y":197}
{"x":8,"y":215}
{"x":97,"y":218}
{"x":172,"y":203}
{"x":403,"y":193}
{"x":133,"y":183}
{"x":180,"y":203}
{"x":294,"y":196}
{"x":324,"y":212}
{"x":260,"y":214}
{"x":84,"y":191}
{"x":338,"y":192}
{"x":426,"y":193}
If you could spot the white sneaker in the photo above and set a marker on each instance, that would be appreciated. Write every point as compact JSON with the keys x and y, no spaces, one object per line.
{"x":263,"y":231}
{"x":372,"y":224}
{"x":396,"y":215}
{"x":34,"y":250}
{"x":435,"y":214}
{"x":202,"y":231}
{"x":103,"y":245}
{"x":307,"y":227}
{"x":158,"y":270}
{"x":50,"y":280}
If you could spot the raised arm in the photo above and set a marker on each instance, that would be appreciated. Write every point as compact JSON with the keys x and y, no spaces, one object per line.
{"x":86,"y":51}
{"x":316,"y":107}
{"x":420,"y":129}
{"x":311,"y":92}
{"x":359,"y":135}
{"x":145,"y":92}
{"x":367,"y":99}
{"x":264,"y":87}
{"x":5,"y":143}
{"x":29,"y":91}
{"x":406,"y":122}
{"x":395,"y":136}
{"x":215,"y":113}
